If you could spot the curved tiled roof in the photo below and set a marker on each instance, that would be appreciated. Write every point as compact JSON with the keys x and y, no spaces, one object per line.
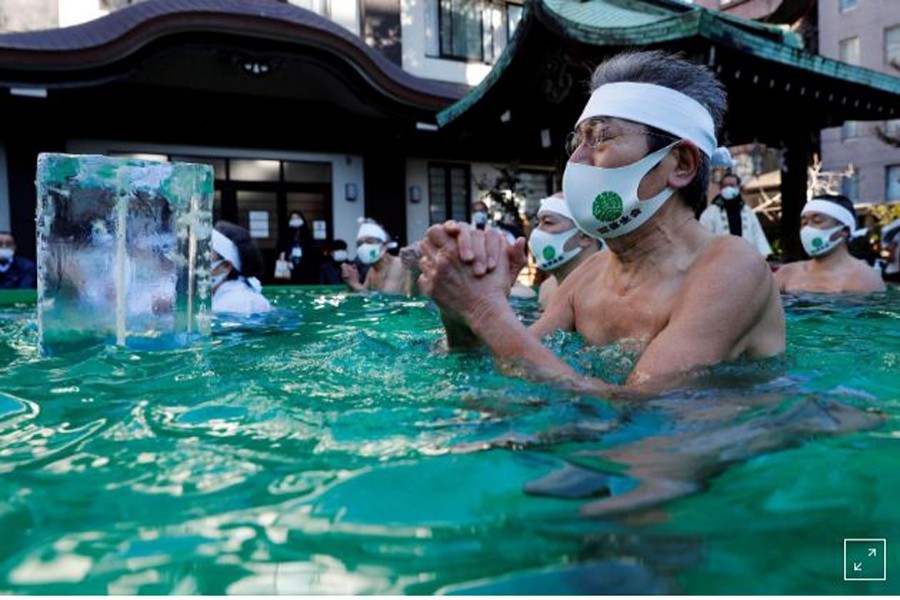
{"x":45,"y":57}
{"x":635,"y":23}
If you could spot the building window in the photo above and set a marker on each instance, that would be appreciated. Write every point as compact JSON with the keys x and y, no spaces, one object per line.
{"x":892,"y":183}
{"x":848,"y":51}
{"x":321,"y":7}
{"x":846,"y":5}
{"x":449,"y":192}
{"x":471,"y":30}
{"x":513,"y":16}
{"x":111,"y":5}
{"x":850,"y":186}
{"x":849,"y":130}
{"x":892,"y":128}
{"x":892,"y":46}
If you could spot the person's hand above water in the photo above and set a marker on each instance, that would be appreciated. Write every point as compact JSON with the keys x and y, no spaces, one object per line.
{"x":482,"y":249}
{"x":459,"y":287}
{"x":410,"y":257}
{"x":350,"y":275}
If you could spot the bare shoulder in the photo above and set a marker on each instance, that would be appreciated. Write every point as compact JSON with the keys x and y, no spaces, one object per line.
{"x":730,"y":257}
{"x":730,"y":273}
{"x":786,"y":272}
{"x":866,"y":279}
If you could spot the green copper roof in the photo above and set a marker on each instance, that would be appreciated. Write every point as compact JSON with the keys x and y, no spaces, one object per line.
{"x":640,"y":22}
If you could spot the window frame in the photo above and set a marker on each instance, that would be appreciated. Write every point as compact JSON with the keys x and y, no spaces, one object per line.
{"x":887,"y":183}
{"x":436,"y":46}
{"x":851,"y":4}
{"x":448,"y":167}
{"x":887,"y":31}
{"x":845,"y":42}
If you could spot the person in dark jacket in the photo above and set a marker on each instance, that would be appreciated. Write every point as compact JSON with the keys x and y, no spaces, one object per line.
{"x":296,"y":246}
{"x":335,"y":256}
{"x":16,"y":272}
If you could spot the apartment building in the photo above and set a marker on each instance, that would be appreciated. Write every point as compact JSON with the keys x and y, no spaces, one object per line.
{"x":864,"y":33}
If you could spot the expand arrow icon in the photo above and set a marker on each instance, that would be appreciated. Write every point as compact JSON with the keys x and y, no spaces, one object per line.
{"x":873,"y":552}
{"x":857,"y":566}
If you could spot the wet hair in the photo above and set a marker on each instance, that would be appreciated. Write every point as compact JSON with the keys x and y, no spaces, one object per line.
{"x":675,"y":72}
{"x":248,"y":251}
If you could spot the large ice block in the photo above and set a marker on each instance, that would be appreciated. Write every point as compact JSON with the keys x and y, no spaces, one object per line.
{"x":123,"y":251}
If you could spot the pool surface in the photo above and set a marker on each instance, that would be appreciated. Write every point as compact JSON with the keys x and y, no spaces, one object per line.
{"x":334,"y":448}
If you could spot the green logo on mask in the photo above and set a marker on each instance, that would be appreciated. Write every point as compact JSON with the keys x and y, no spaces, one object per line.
{"x":549,"y":253}
{"x":607,"y":206}
{"x":817,"y":242}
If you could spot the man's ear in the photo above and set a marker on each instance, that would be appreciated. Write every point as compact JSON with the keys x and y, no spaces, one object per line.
{"x":846,"y":231}
{"x":585,"y":241}
{"x":687,"y":157}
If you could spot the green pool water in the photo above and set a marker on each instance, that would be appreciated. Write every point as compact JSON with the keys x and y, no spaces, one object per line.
{"x":334,"y":448}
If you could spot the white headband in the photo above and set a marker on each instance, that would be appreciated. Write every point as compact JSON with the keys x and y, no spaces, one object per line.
{"x":830,"y":209}
{"x":225,"y":248}
{"x":372,"y":230}
{"x":836,"y":212}
{"x":657,"y":106}
{"x":557,"y":205}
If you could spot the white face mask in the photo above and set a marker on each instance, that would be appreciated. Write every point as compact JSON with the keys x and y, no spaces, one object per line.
{"x":817,"y":242}
{"x":6,"y":254}
{"x":369,"y":253}
{"x":340,"y":255}
{"x":604,"y":202}
{"x":729,"y":193}
{"x":296,"y":222}
{"x":215,"y":280}
{"x":548,"y":248}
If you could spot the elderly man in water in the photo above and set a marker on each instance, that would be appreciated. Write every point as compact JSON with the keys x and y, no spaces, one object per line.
{"x":680,"y":296}
{"x":386,"y":273}
{"x":827,"y":224}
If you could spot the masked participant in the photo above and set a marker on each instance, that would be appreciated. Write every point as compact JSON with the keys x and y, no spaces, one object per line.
{"x":678,"y":296}
{"x":827,"y":224}
{"x":236,"y":262}
{"x":16,"y":272}
{"x":386,"y":272}
{"x":729,"y":214}
{"x":558,"y":245}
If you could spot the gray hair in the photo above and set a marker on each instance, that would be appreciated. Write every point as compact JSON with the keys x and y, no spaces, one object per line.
{"x":675,"y":72}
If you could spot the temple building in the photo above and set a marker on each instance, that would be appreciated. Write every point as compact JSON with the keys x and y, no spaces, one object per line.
{"x":403,"y":111}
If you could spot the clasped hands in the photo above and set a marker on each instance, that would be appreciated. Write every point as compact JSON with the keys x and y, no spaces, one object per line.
{"x":466,"y":269}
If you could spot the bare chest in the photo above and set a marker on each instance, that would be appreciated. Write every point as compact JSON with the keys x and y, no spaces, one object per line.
{"x":819,"y":281}
{"x":636,"y":313}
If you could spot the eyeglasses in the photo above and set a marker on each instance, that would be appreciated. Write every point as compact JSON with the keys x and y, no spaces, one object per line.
{"x":596,"y":132}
